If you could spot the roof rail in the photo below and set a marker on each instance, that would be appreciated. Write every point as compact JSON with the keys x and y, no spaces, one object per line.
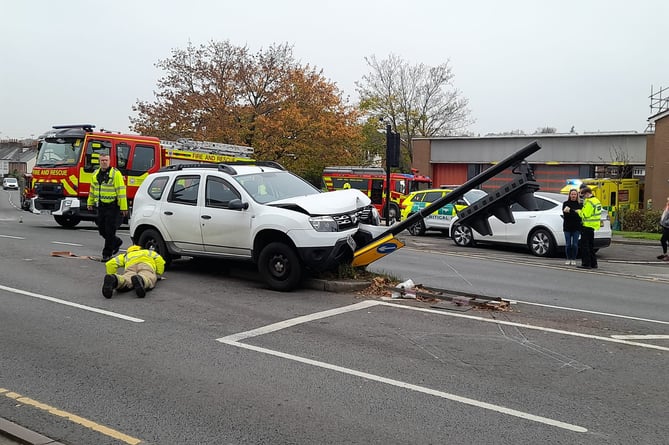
{"x":227,"y":167}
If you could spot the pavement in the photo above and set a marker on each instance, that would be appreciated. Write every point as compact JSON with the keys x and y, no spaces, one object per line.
{"x":13,"y":434}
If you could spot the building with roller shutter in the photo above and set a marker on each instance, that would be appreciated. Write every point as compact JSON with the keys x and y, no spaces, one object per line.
{"x":454,"y":160}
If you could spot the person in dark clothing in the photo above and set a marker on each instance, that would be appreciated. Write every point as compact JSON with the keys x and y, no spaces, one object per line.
{"x":664,"y":223}
{"x":108,"y":195}
{"x":571,"y":226}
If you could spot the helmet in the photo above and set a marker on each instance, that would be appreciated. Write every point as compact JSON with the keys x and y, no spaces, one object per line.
{"x":134,"y":248}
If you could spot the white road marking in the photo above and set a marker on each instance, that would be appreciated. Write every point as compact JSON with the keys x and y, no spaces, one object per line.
{"x":233,"y":340}
{"x":67,"y":244}
{"x":69,"y":303}
{"x":642,"y":337}
{"x":409,"y":386}
{"x":607,"y":314}
{"x":12,"y":237}
{"x":528,"y":326}
{"x":298,"y":320}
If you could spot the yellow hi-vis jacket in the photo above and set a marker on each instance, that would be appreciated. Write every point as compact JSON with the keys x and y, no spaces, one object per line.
{"x":109,"y":191}
{"x":591,"y":213}
{"x":145,"y":256}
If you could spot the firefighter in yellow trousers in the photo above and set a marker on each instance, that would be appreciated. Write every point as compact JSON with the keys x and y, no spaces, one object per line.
{"x":142,"y":268}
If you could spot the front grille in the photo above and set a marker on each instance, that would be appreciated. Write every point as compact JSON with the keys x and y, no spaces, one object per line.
{"x":351,"y":220}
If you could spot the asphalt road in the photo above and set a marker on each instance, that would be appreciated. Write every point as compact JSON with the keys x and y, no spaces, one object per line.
{"x":211,"y":358}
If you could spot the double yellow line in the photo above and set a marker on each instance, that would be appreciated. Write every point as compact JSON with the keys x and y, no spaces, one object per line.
{"x":71,"y":417}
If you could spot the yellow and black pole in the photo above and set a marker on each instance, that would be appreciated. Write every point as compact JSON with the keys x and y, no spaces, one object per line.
{"x":386,"y":242}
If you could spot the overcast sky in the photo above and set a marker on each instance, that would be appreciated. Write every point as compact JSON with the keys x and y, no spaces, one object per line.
{"x":522,"y":64}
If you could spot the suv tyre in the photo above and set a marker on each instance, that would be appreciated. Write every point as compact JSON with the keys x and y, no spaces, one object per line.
{"x":280,"y":266}
{"x":151,"y":239}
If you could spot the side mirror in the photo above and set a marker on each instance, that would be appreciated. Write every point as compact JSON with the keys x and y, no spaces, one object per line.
{"x":237,"y":204}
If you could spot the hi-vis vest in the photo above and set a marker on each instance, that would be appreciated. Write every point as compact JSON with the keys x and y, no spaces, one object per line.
{"x":591,"y":213}
{"x":144,"y":256}
{"x":109,"y":191}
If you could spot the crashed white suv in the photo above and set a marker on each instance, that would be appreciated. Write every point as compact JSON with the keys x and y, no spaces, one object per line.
{"x":252,"y":211}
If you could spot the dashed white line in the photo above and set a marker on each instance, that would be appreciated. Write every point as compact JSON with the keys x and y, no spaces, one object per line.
{"x":12,"y":237}
{"x":69,"y":303}
{"x":66,"y":244}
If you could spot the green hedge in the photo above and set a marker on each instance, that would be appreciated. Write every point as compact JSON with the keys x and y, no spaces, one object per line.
{"x":640,"y":220}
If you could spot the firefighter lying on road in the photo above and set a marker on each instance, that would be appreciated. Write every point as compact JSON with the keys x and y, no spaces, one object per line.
{"x":142,"y":268}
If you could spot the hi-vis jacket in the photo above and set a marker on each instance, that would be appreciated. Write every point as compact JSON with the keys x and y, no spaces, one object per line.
{"x":591,"y":213}
{"x":144,"y":256}
{"x":109,"y":191}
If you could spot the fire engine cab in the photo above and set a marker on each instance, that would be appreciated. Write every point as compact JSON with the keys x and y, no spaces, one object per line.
{"x":68,"y":156}
{"x":372,"y":182}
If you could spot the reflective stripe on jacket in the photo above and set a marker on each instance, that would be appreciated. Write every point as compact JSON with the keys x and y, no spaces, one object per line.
{"x":109,"y":191}
{"x":591,"y":213}
{"x":145,"y":256}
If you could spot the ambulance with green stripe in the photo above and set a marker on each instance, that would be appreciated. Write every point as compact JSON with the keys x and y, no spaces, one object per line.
{"x":440,"y":219}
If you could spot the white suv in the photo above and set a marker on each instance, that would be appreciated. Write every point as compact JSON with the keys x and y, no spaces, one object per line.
{"x":251,"y":211}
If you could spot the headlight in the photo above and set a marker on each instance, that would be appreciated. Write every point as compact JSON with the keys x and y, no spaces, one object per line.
{"x":323,"y":224}
{"x":68,"y":203}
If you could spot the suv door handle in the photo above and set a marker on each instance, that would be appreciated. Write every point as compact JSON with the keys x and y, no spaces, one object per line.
{"x":168,"y":213}
{"x":205,"y":216}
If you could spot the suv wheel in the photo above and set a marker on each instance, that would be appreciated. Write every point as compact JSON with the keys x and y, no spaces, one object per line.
{"x":279,"y":266}
{"x":151,"y":239}
{"x":417,"y":228}
{"x":541,"y":243}
{"x":462,"y":235}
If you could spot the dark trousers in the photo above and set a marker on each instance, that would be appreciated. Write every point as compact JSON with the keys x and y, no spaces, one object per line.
{"x":108,"y":220}
{"x":588,"y":257}
{"x":664,"y":239}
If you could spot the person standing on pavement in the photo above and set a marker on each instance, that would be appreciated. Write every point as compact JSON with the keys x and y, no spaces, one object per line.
{"x":591,"y":215}
{"x":108,"y":194}
{"x":664,"y":223}
{"x":571,"y":226}
{"x":141,"y":270}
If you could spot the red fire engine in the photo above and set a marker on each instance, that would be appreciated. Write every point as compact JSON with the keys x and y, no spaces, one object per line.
{"x":372,"y":181}
{"x":68,"y":156}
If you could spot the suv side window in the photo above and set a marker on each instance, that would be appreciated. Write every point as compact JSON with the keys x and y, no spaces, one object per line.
{"x":157,"y":187}
{"x":185,"y":189}
{"x":218,"y":193}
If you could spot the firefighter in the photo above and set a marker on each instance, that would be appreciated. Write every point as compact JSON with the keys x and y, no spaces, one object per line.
{"x":591,"y":215}
{"x":141,"y":270}
{"x":108,"y":194}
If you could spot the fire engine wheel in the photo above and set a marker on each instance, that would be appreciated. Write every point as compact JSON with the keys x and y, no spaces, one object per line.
{"x":417,"y":228}
{"x":151,"y":239}
{"x":279,"y":266}
{"x":67,"y":221}
{"x":462,"y":235}
{"x":541,"y":243}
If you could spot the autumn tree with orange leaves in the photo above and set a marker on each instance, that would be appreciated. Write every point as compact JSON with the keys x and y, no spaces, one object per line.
{"x":287,"y":112}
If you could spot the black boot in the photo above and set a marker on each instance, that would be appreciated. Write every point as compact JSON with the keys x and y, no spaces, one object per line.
{"x":138,"y":283}
{"x":108,"y":285}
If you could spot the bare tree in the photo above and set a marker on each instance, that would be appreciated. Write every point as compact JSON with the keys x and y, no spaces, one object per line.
{"x":418,"y":100}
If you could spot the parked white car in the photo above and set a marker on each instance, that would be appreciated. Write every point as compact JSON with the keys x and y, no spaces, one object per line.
{"x":10,"y":184}
{"x":539,"y":230}
{"x":255,"y":212}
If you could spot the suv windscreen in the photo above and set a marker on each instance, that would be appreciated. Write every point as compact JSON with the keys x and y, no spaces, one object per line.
{"x":272,"y":186}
